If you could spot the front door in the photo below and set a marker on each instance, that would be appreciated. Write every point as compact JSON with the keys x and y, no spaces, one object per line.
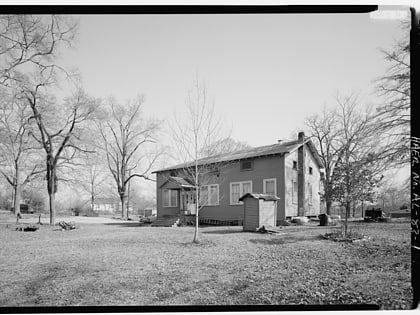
{"x":188,"y":202}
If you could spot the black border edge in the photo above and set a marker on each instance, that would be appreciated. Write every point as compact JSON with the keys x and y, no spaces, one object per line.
{"x":185,"y":9}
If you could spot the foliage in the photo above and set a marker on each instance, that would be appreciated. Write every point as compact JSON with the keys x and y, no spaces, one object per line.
{"x":354,"y":181}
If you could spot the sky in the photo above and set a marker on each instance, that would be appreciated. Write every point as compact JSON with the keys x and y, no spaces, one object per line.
{"x":264,"y":73}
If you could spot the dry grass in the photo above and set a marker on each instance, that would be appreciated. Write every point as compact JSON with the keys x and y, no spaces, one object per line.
{"x":132,"y":265}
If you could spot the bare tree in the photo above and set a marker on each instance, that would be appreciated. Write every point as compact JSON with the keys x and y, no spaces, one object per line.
{"x":226,"y":145}
{"x":32,"y":41}
{"x":360,"y":165}
{"x":126,"y":138}
{"x":351,"y":151}
{"x":19,"y":154}
{"x":324,"y":129}
{"x":393,"y":117}
{"x":194,"y":140}
{"x":59,"y":132}
{"x":91,"y":176}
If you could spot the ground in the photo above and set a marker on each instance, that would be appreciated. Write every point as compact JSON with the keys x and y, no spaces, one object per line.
{"x":125,"y":263}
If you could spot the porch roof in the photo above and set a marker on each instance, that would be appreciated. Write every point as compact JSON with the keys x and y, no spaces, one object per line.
{"x":177,"y":183}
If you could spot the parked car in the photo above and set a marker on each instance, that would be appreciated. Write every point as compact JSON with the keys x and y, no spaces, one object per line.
{"x":148,"y":219}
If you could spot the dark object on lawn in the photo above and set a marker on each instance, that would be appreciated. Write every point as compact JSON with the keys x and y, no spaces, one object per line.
{"x":373,"y":214}
{"x":383,"y":219}
{"x":29,"y":228}
{"x":268,"y":229}
{"x":283,"y":223}
{"x":323,"y":219}
{"x":67,"y":225}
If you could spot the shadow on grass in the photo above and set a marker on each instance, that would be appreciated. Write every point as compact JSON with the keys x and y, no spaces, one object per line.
{"x":128,"y":224}
{"x":223,"y":231}
{"x":287,"y":239}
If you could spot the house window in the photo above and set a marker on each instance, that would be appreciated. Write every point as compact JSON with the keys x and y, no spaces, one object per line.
{"x":310,"y":170}
{"x":269,"y":186}
{"x":294,"y":165}
{"x":310,"y":194}
{"x":170,"y":198}
{"x":209,"y":195}
{"x":294,"y":192}
{"x":247,"y":165}
{"x":239,"y":189}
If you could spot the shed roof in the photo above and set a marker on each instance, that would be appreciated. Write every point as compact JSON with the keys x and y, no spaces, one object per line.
{"x":272,"y":149}
{"x":265,"y":197}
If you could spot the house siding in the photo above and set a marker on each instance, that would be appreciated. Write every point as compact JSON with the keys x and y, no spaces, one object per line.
{"x":161,"y":178}
{"x":263,"y":168}
{"x":278,"y":166}
{"x":314,"y":180}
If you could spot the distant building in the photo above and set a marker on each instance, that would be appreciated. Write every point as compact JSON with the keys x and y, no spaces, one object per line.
{"x":106,"y":205}
{"x":287,"y":169}
{"x":109,"y":205}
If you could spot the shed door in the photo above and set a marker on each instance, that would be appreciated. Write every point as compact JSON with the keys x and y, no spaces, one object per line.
{"x":267,"y":213}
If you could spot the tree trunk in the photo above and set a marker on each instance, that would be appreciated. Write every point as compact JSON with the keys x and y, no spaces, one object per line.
{"x":51,"y":187}
{"x":92,"y":203}
{"x":123,"y":207}
{"x":363,"y":211}
{"x":51,"y":197}
{"x":197,"y":207}
{"x":328,"y":205}
{"x":346,"y":219}
{"x":17,"y":193}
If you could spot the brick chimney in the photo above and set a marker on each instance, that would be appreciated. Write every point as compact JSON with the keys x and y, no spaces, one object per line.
{"x":301,"y":175}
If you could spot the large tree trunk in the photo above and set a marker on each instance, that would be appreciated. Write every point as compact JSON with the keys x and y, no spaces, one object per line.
{"x":51,"y":197}
{"x":124,"y":214}
{"x":17,"y":193}
{"x":51,"y":188}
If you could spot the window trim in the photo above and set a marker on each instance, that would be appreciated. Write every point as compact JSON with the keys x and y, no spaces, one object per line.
{"x":268,"y":180}
{"x":208,"y":195}
{"x":170,"y":193}
{"x":241,"y":190}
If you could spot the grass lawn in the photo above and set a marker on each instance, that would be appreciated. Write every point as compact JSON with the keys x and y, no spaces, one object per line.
{"x":128,"y":264}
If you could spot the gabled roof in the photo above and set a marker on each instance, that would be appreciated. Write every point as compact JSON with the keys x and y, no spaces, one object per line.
{"x":260,"y":196}
{"x":272,"y":149}
{"x":178,"y":181}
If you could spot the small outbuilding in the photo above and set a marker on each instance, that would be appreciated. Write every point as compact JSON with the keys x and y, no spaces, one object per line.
{"x":259,"y":210}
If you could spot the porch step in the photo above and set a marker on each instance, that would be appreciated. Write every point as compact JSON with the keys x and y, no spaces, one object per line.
{"x":166,"y":222}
